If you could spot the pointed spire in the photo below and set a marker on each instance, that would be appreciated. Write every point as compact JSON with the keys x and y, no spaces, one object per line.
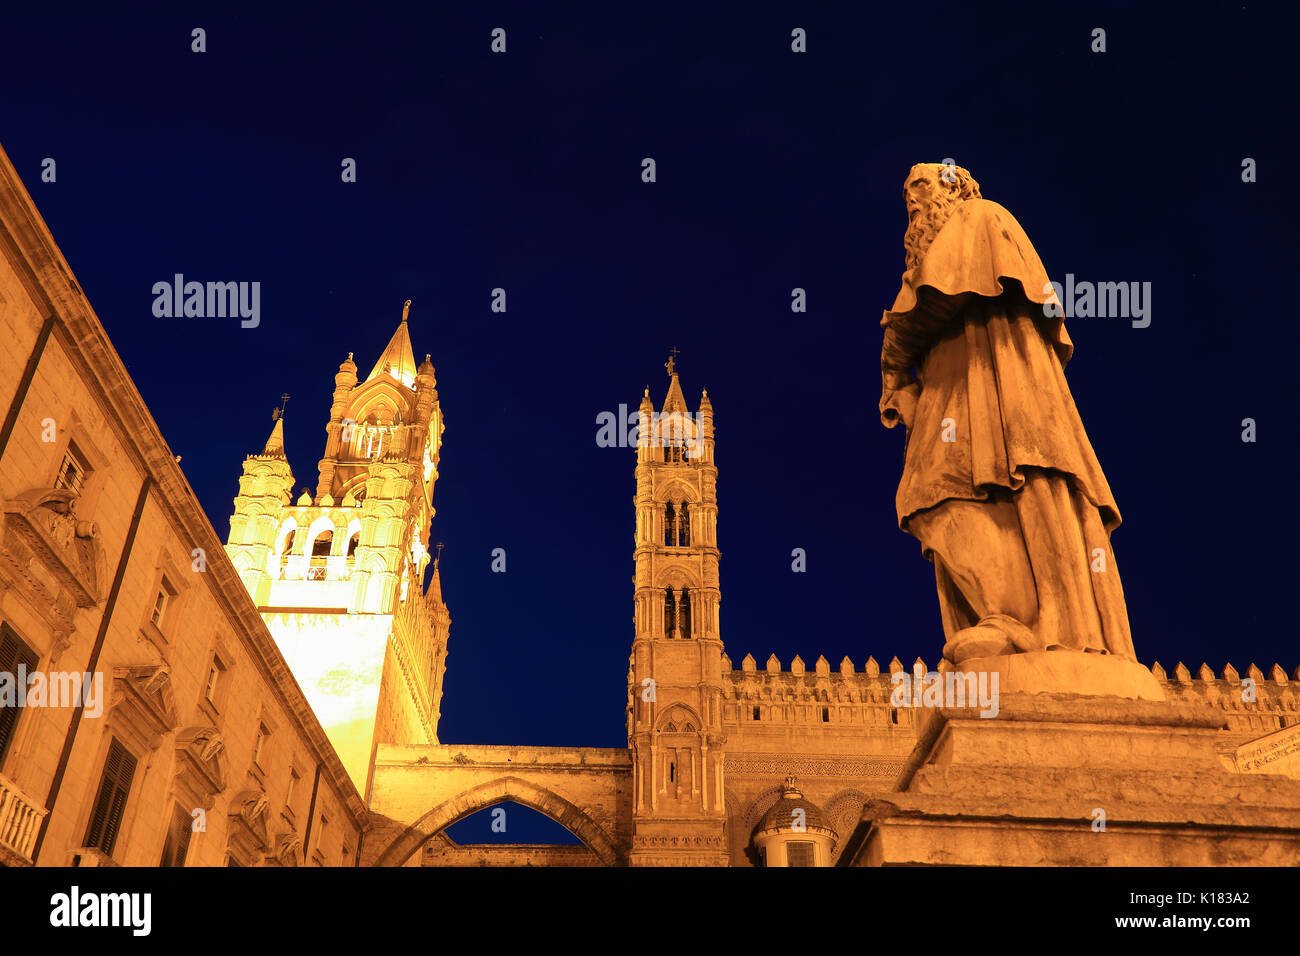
{"x":275,"y":444}
{"x":274,"y":447}
{"x":398,"y":358}
{"x":675,"y":401}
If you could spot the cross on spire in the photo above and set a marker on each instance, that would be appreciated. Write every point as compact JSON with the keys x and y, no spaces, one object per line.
{"x":278,"y":413}
{"x":671,"y":364}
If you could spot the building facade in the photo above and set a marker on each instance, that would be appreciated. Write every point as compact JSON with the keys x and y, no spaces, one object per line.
{"x":162,"y":726}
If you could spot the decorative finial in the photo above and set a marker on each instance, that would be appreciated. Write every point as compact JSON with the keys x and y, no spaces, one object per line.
{"x":438,"y":556}
{"x":349,"y":356}
{"x":671,"y":364}
{"x":278,"y":413}
{"x":406,"y":310}
{"x":789,"y":782}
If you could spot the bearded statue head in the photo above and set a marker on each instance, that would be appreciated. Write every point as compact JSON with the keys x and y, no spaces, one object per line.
{"x":932,"y":192}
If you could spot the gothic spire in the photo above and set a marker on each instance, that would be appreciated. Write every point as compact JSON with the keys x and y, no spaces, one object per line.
{"x":398,"y":358}
{"x":275,"y":444}
{"x":675,"y":401}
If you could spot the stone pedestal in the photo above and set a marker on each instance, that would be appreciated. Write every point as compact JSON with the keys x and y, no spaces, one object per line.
{"x":1035,"y":785}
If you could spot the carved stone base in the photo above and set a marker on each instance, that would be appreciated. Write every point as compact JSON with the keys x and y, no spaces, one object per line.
{"x":667,"y":842}
{"x":1069,"y":672}
{"x":1067,"y":780}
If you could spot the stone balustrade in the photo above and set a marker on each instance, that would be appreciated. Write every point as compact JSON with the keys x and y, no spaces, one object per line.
{"x":20,"y":821}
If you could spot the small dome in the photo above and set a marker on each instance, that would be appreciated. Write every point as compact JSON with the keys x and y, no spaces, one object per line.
{"x":784,"y":813}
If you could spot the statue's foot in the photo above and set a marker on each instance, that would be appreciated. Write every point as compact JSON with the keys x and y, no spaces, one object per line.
{"x":993,"y":636}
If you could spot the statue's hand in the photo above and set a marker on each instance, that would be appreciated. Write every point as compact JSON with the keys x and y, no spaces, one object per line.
{"x":898,"y":405}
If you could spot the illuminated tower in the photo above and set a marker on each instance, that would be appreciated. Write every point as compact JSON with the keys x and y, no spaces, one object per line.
{"x":675,"y":673}
{"x":338,"y":575}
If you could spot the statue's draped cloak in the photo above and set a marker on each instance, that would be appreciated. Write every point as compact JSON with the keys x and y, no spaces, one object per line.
{"x":970,"y":319}
{"x":992,"y":362}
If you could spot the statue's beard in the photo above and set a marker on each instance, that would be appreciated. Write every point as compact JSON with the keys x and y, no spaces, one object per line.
{"x":922,"y":230}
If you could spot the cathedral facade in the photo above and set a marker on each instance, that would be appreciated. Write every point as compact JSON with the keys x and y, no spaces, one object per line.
{"x":275,"y":699}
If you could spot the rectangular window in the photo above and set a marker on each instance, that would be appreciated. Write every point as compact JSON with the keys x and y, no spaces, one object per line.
{"x":177,"y":844}
{"x":159,"y":607}
{"x":212,"y":687}
{"x":293,"y":783}
{"x":162,"y":612}
{"x":72,"y":471}
{"x":799,"y":854}
{"x":110,"y":803}
{"x":319,"y":855}
{"x":259,"y":748}
{"x":13,"y":653}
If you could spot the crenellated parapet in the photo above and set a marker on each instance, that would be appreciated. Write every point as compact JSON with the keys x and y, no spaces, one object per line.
{"x":1255,"y":703}
{"x":813,"y":697}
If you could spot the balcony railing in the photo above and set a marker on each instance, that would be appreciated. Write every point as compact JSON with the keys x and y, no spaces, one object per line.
{"x":333,"y":567}
{"x":20,"y":821}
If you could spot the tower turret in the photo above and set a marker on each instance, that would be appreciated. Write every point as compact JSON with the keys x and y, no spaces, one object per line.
{"x":338,"y":576}
{"x":675,"y":680}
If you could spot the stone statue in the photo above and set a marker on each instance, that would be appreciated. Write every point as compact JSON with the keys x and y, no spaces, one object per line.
{"x":1000,"y":484}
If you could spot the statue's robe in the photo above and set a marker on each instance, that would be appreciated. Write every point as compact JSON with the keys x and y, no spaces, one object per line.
{"x":1014,"y":511}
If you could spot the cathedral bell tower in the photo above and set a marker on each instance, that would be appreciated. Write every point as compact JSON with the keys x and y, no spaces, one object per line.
{"x":675,"y":670}
{"x":338,"y":574}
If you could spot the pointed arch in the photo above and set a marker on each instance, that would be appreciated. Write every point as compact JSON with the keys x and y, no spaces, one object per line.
{"x":366,"y":398}
{"x":679,"y":714}
{"x":677,"y":491}
{"x":545,"y":801}
{"x":285,"y":535}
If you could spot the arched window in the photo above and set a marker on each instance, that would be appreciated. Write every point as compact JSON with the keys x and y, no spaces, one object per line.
{"x":353,"y":542}
{"x":321,"y":546}
{"x":670,"y":525}
{"x":670,"y":612}
{"x":288,"y":541}
{"x":686,"y":614}
{"x":684,"y":527}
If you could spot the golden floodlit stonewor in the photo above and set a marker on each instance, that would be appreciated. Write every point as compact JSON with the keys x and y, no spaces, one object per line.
{"x":274,"y":700}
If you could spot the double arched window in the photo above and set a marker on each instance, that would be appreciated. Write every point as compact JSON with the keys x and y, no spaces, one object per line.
{"x":677,"y":613}
{"x":677,"y":525}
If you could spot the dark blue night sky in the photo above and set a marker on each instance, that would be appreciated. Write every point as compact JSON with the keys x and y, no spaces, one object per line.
{"x":775,"y":170}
